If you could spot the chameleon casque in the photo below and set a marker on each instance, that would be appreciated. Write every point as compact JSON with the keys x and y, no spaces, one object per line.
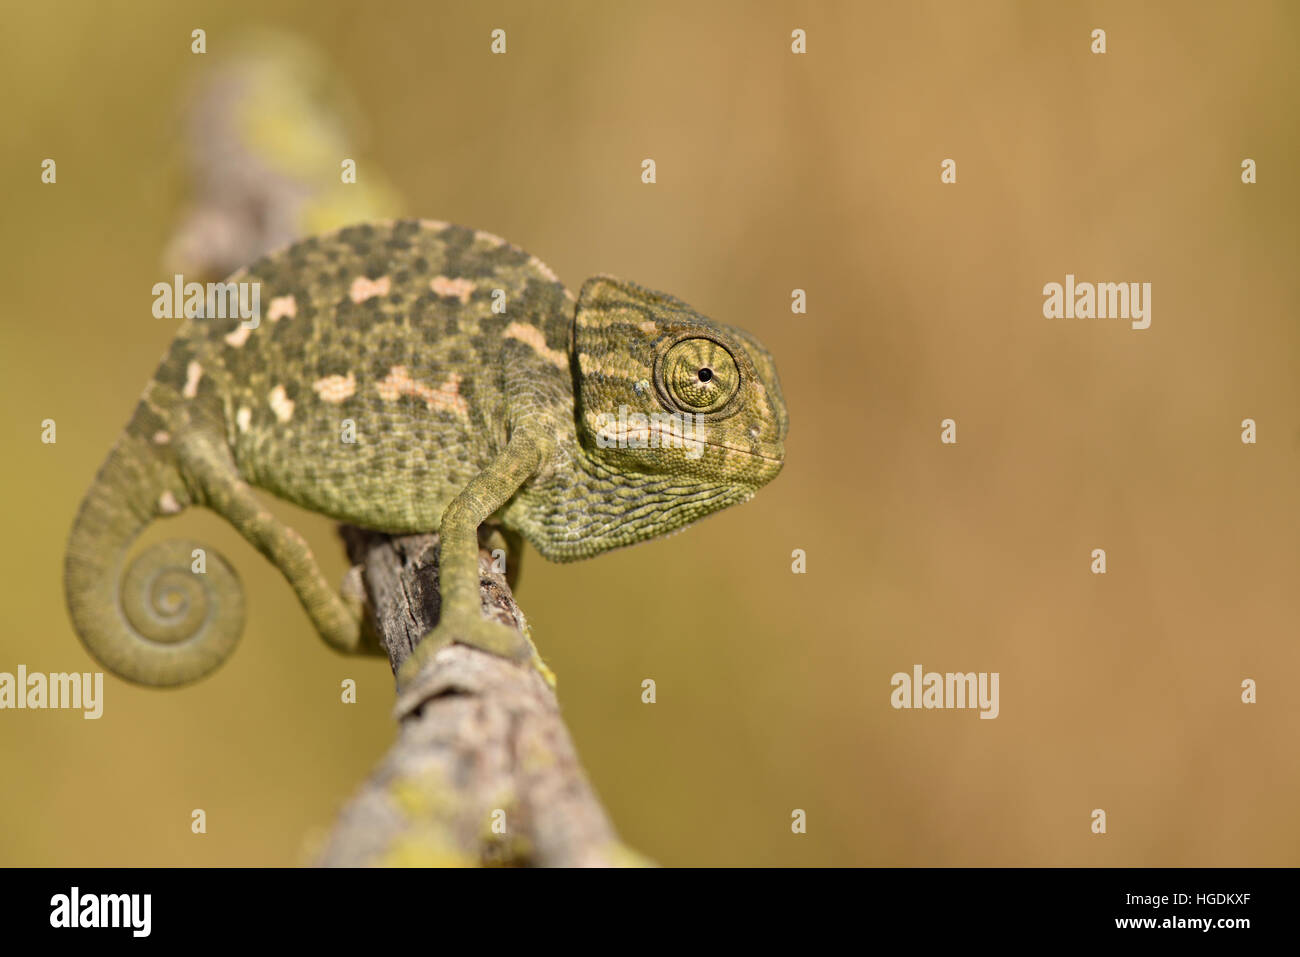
{"x":460,"y":413}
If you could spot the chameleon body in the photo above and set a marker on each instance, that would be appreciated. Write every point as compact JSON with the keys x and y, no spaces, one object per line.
{"x":410,"y":376}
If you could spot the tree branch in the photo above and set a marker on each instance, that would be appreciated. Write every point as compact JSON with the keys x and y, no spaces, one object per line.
{"x":484,"y":771}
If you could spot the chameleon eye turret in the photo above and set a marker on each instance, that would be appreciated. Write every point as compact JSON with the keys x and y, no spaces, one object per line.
{"x":379,"y":386}
{"x":698,"y":375}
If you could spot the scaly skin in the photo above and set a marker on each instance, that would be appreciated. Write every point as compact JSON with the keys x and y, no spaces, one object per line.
{"x":460,"y":414}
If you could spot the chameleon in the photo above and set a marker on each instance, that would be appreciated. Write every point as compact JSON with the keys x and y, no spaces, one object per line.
{"x":410,"y":376}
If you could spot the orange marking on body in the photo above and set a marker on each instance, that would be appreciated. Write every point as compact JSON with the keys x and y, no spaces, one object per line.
{"x":363,"y":288}
{"x":544,"y":269}
{"x":460,"y":288}
{"x":532,"y":337}
{"x":445,"y":398}
{"x":335,"y":388}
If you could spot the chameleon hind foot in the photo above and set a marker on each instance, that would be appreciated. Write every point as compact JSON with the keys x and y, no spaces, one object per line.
{"x":478,"y":632}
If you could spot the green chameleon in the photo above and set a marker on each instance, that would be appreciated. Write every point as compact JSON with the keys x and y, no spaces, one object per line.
{"x":409,"y":376}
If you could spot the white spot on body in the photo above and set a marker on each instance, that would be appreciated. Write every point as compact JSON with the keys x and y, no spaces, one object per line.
{"x":282,"y":307}
{"x":167,"y":504}
{"x":244,"y":418}
{"x":193,"y":373}
{"x":363,"y":288}
{"x":161,"y":438}
{"x":335,"y":388}
{"x":239,"y":336}
{"x":490,"y":238}
{"x":668,"y":432}
{"x":281,"y":404}
{"x":532,"y":337}
{"x":460,"y":288}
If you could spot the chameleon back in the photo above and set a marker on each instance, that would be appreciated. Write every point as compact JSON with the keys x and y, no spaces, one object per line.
{"x":372,"y":388}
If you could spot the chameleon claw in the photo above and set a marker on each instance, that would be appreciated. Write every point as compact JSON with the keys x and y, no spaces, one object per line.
{"x":413,"y":688}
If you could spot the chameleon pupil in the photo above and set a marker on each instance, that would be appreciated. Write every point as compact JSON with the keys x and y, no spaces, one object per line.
{"x":705,"y":374}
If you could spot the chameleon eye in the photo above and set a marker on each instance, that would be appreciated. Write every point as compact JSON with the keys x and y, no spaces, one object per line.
{"x":699,"y":375}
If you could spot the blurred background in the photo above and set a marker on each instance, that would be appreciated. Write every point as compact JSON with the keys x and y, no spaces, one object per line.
{"x":775,"y":171}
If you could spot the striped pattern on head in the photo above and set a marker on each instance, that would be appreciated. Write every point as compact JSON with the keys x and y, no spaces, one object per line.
{"x":663,"y":390}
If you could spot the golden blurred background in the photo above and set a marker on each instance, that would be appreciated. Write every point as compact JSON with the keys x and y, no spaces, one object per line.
{"x":775,"y":171}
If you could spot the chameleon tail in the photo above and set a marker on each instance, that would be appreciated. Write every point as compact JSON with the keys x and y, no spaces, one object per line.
{"x":178,"y":612}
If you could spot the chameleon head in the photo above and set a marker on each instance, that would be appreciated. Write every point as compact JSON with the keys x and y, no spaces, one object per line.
{"x":663,"y":391}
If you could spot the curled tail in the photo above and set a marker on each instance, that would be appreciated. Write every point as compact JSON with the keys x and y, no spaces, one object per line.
{"x":174,"y":616}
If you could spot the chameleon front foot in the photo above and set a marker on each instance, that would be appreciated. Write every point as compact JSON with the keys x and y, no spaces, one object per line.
{"x":476,"y":632}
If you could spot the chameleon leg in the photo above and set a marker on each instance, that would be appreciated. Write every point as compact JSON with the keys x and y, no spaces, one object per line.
{"x":209,"y":466}
{"x":461,"y":617}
